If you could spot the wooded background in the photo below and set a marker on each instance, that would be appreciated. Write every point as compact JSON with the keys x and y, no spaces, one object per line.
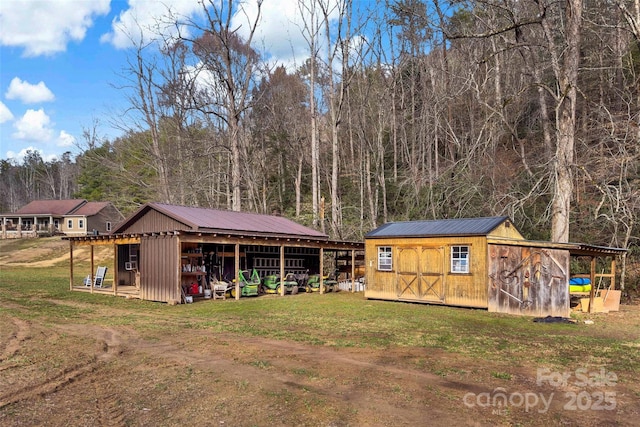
{"x":403,"y":110}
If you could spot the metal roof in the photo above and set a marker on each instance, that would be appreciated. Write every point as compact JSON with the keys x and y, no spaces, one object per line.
{"x":588,"y":250}
{"x":205,"y":219}
{"x":439,"y":227}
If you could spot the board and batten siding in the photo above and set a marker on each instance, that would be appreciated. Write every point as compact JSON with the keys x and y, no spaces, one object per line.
{"x":153,"y":222}
{"x":160,"y":268}
{"x":421,"y":271}
{"x":526,"y":280}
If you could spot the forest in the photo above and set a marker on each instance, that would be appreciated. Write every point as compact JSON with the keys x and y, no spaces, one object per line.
{"x":403,"y":110}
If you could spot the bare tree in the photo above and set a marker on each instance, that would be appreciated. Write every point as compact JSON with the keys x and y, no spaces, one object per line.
{"x":279,"y":128}
{"x":310,"y":31}
{"x":229,"y":64}
{"x":560,"y":25}
{"x":144,"y":113}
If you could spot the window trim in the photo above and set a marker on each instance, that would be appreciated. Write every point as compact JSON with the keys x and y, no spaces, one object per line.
{"x":459,"y":259}
{"x":387,"y":251}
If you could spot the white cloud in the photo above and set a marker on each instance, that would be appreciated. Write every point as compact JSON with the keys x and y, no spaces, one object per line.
{"x":280,"y":31}
{"x":28,"y":93}
{"x":5,"y":113}
{"x":19,"y":156}
{"x":35,"y":125}
{"x":281,"y":28}
{"x":65,"y":139}
{"x":141,"y":21}
{"x":46,"y":27}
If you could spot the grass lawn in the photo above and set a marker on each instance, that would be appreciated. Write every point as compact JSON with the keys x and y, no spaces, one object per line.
{"x":342,"y":319}
{"x":306,"y":359}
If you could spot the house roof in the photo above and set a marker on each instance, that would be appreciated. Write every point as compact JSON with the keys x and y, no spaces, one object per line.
{"x":50,"y":207}
{"x":439,"y":227}
{"x":216,"y":220}
{"x":90,"y":208}
{"x":60,"y":208}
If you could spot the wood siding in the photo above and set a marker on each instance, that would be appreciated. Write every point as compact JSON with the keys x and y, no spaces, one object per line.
{"x":159,"y":266}
{"x":419,"y":274}
{"x":99,"y":221}
{"x":506,"y":230}
{"x":421,"y":271}
{"x":75,"y":229}
{"x":528,"y":280}
{"x":155,"y":222}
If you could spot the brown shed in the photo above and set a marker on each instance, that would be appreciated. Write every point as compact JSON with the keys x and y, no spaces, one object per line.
{"x":472,"y":262}
{"x":161,"y":249}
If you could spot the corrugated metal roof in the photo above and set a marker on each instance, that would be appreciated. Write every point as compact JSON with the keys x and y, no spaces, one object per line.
{"x":438,"y":227}
{"x":214,"y":219}
{"x":573,"y":248}
{"x":585,"y":249}
{"x":50,"y":207}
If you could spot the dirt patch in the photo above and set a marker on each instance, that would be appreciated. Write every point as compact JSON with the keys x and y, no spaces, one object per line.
{"x":46,"y":252}
{"x":78,"y":373}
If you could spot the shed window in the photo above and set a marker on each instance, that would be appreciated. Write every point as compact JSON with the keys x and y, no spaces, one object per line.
{"x":108,"y":226}
{"x":384,"y":258}
{"x":80,"y":224}
{"x":459,"y":259}
{"x":70,"y":223}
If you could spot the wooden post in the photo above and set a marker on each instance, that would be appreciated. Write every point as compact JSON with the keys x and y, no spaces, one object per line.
{"x":237,"y":271}
{"x":353,"y":270}
{"x":178,"y":270}
{"x":92,"y":267}
{"x":321,"y":279}
{"x":282,"y":291}
{"x":613,"y":272}
{"x":115,"y":269}
{"x":70,"y":265}
{"x":593,"y":283}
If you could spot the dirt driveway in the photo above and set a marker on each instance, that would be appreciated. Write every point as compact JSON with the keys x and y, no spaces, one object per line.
{"x":76,"y":373}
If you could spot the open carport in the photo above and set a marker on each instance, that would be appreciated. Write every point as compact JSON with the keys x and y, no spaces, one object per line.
{"x":160,"y":248}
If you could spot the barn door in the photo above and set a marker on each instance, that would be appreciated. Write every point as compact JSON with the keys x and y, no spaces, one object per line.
{"x":431,"y":274}
{"x":419,"y":274}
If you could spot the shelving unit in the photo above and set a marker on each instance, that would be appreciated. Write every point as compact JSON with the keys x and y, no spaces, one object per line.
{"x":193,"y":271}
{"x":343,"y":264}
{"x":269,"y":266}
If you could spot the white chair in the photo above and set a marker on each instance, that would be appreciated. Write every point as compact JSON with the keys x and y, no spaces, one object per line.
{"x":218,"y":289}
{"x":98,"y":280}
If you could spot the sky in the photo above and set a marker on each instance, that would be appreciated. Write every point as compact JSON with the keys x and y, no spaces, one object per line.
{"x":60,"y":60}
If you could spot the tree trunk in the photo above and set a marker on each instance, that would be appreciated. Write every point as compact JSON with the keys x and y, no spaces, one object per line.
{"x":567,"y":75}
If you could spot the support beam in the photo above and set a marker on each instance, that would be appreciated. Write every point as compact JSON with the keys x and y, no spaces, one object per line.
{"x":353,"y":271}
{"x":115,"y":269}
{"x":321,"y":279}
{"x":92,"y":268}
{"x":282,"y":291}
{"x":237,"y":261}
{"x":613,"y":273}
{"x":593,"y":283}
{"x":70,"y":265}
